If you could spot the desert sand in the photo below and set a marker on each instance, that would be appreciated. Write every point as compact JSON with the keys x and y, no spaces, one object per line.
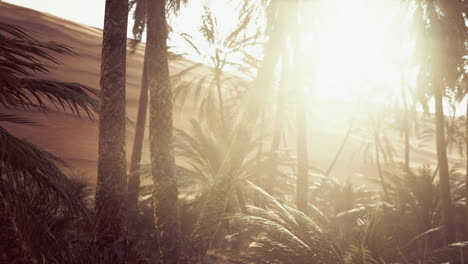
{"x":75,"y":139}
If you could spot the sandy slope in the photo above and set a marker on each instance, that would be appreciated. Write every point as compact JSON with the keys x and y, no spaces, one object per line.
{"x":72,"y":138}
{"x":75,"y":139}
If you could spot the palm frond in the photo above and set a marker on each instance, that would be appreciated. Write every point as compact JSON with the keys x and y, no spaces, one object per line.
{"x":15,"y":119}
{"x":20,"y":57}
{"x":281,"y":234}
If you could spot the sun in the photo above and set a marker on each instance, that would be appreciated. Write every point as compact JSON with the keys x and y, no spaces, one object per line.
{"x":359,"y":47}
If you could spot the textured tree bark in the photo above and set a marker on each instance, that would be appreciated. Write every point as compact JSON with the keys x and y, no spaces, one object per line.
{"x":12,"y":247}
{"x":302,"y":184}
{"x":134,"y":178}
{"x":444,"y":175}
{"x":111,"y":189}
{"x":165,"y":191}
{"x":466,"y":176}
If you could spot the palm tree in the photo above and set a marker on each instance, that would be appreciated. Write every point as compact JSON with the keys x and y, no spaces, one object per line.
{"x":134,"y":173}
{"x":25,"y":168}
{"x":270,"y":177}
{"x":111,"y":192}
{"x":234,"y":56}
{"x":165,"y":193}
{"x":152,"y":13}
{"x":406,"y":127}
{"x":274,"y":54}
{"x":214,"y":205}
{"x":302,"y":184}
{"x":139,"y":17}
{"x":202,"y":152}
{"x":213,"y":209}
{"x":466,"y":172}
{"x":442,"y":32}
{"x":282,"y":234}
{"x":140,"y":21}
{"x":217,"y":85}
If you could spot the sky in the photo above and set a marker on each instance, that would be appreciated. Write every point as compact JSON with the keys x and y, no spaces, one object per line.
{"x":91,"y":13}
{"x":88,"y":12}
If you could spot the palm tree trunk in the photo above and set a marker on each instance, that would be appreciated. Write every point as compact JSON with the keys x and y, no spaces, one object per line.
{"x":12,"y":247}
{"x":302,"y":184}
{"x":165,"y":193}
{"x":407,"y":146}
{"x":259,"y":166}
{"x":111,"y":189}
{"x":406,"y":128}
{"x":379,"y":168}
{"x":271,"y":175}
{"x":443,"y":170}
{"x":466,"y":176}
{"x":220,"y":98}
{"x":134,"y":179}
{"x":340,"y":150}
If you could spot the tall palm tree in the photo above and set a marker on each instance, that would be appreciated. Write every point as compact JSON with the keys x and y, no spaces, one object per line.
{"x":23,"y":166}
{"x":466,"y":168}
{"x":214,"y":206}
{"x":302,"y":183}
{"x":406,"y":127}
{"x":111,"y":192}
{"x":152,"y":14}
{"x":441,"y":49}
{"x":270,"y":178}
{"x":274,"y":54}
{"x":165,"y":193}
{"x":139,"y":17}
{"x":137,"y":151}
{"x":234,"y":55}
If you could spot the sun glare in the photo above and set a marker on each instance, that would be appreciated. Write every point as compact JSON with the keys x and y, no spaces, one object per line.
{"x":361,"y":47}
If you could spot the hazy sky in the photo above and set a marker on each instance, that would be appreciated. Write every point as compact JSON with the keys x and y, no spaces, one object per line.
{"x":91,"y":12}
{"x":88,"y":12}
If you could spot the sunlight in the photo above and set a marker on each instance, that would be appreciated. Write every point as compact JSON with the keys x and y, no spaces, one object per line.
{"x":361,"y":48}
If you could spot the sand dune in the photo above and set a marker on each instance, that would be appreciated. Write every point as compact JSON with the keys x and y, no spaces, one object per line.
{"x":75,"y":139}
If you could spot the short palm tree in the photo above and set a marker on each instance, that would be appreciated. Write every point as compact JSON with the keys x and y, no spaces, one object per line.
{"x":282,"y":234}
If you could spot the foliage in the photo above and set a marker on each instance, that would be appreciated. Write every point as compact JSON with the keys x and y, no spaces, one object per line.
{"x":348,"y":221}
{"x":46,"y":202}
